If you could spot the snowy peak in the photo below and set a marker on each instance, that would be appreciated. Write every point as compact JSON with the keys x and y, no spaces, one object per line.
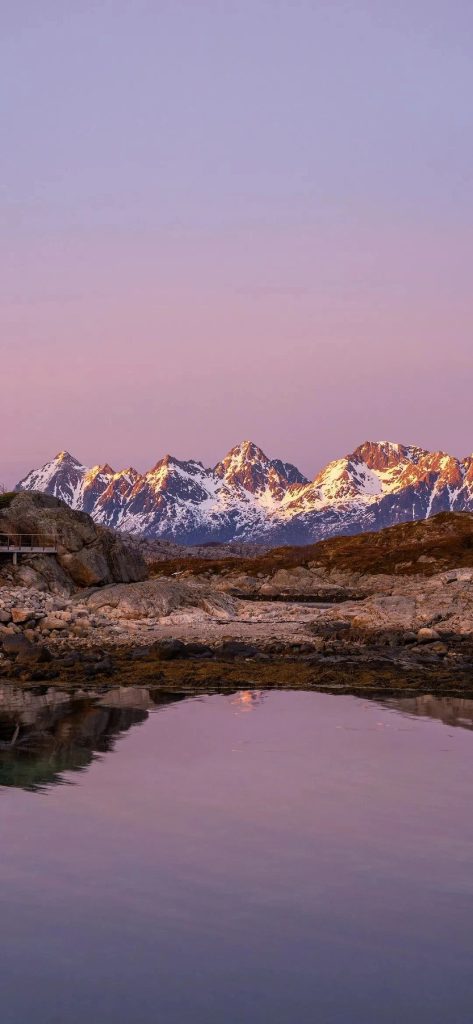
{"x":66,"y":478}
{"x":378,"y":468}
{"x":184,"y":480}
{"x":344,"y":479}
{"x":98,"y":473}
{"x":127,"y":476}
{"x":385,"y":455}
{"x":66,"y":459}
{"x":245,"y":465}
{"x":248,"y":467}
{"x":63,"y":477}
{"x":250,"y":496}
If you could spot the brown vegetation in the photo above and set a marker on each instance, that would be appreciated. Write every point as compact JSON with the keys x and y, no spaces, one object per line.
{"x":377,"y":677}
{"x":432,"y":545}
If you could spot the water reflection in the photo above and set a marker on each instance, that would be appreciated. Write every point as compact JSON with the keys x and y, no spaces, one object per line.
{"x":456,"y":712}
{"x":307,"y":860}
{"x":44,"y":732}
{"x":247,"y":700}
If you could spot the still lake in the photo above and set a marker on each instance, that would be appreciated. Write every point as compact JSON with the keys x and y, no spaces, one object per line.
{"x":283,"y":857}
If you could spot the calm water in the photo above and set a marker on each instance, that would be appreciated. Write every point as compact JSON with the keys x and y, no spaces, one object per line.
{"x":280,"y":857}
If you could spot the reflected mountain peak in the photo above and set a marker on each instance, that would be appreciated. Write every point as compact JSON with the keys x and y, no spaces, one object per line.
{"x":247,"y":700}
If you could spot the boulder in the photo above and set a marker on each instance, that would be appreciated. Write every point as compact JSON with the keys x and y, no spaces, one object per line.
{"x":88,"y":567}
{"x":169,"y":650}
{"x":15,"y":643}
{"x":160,"y":597}
{"x":25,"y":651}
{"x":426,"y":635}
{"x":53,"y":622}
{"x":88,"y":555}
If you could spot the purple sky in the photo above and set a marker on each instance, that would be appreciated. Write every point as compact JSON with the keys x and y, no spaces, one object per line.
{"x":223,"y":220}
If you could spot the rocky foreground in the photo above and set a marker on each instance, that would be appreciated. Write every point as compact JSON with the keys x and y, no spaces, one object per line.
{"x":392,"y":611}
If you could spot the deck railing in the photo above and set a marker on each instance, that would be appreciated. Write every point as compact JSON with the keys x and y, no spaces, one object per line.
{"x":27,"y":542}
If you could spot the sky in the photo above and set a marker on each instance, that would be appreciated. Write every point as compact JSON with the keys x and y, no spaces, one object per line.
{"x":223,"y":220}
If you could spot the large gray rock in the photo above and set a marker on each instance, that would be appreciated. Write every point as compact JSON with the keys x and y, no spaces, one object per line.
{"x":87,"y":554}
{"x":157,"y":598}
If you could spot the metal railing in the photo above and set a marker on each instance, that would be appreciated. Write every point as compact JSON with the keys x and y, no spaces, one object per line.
{"x":27,"y":542}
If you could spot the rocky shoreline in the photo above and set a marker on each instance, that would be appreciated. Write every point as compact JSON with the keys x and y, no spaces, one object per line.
{"x":70,"y":642}
{"x":322,"y":623}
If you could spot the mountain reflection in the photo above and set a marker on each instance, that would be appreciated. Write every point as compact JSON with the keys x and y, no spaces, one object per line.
{"x":247,"y":700}
{"x":44,"y":733}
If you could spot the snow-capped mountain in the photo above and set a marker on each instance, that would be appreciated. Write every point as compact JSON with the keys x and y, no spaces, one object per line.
{"x":248,"y":496}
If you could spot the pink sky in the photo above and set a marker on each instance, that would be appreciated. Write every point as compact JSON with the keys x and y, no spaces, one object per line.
{"x":234,"y":221}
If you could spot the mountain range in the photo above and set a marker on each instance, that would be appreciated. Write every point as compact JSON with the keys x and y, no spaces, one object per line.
{"x":248,"y":496}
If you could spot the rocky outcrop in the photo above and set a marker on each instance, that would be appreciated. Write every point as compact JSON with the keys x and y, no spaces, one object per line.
{"x":158,"y":598}
{"x":87,"y":554}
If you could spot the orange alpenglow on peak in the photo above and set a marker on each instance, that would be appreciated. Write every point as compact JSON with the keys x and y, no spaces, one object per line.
{"x":250,"y":496}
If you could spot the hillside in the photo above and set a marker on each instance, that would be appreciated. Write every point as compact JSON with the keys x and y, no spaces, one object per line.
{"x":444,"y":541}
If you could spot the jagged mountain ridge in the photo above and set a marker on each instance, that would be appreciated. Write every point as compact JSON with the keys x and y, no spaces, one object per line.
{"x":248,"y":496}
